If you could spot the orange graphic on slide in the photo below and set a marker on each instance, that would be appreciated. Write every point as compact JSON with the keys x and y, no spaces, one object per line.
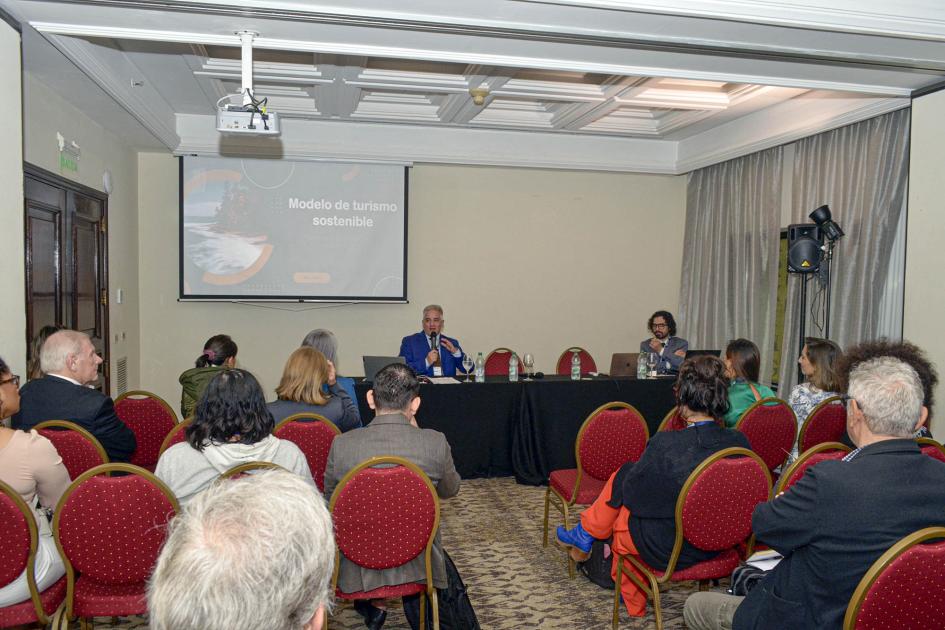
{"x":245,"y":274}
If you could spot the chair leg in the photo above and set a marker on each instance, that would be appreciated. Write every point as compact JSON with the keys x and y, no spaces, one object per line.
{"x":703,"y":585}
{"x":567,"y":525}
{"x":85,"y":623}
{"x":423,"y":610}
{"x":657,"y":610}
{"x":436,"y":609}
{"x":544,"y":542}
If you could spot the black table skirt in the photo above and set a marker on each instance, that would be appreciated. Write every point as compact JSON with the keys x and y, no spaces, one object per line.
{"x":528,"y":428}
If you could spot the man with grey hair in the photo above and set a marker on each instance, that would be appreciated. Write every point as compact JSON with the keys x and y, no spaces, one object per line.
{"x":250,"y":553}
{"x":70,"y":364}
{"x":841,"y":515}
{"x":429,"y":352}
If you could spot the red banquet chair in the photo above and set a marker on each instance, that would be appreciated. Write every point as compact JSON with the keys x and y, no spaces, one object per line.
{"x":771,"y":427}
{"x":107,"y":566}
{"x":19,"y":538}
{"x":672,"y":421}
{"x":612,"y":435}
{"x":825,"y":423}
{"x":176,"y":435}
{"x":813,"y":455}
{"x":713,"y":512}
{"x":79,"y":449}
{"x":241,"y":470}
{"x":564,"y":361}
{"x":313,"y":434}
{"x":407,"y":499}
{"x":150,"y":418}
{"x":903,"y":589}
{"x":932,"y":448}
{"x":497,"y":363}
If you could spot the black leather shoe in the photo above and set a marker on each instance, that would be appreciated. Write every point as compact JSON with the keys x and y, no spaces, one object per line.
{"x":374,"y":617}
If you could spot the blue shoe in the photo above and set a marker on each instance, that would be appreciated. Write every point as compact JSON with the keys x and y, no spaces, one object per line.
{"x":576,"y":538}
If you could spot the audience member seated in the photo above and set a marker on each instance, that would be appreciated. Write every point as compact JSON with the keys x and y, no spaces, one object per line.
{"x":33,"y":368}
{"x":324,"y":341}
{"x":219,"y":352}
{"x":904,"y":351}
{"x":429,"y":352}
{"x":31,"y":466}
{"x":231,"y":426}
{"x":252,"y":553}
{"x":664,"y":342}
{"x":71,"y":364}
{"x":300,"y":391}
{"x":395,"y":399}
{"x":819,"y":361}
{"x":638,"y":503}
{"x":842,"y":514}
{"x":743,"y":363}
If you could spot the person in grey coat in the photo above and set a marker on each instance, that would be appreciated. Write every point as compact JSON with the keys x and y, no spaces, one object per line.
{"x":395,"y":399}
{"x":664,"y":342}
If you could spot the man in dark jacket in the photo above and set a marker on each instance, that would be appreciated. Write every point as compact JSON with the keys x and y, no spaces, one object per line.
{"x":70,"y":363}
{"x":841,"y":515}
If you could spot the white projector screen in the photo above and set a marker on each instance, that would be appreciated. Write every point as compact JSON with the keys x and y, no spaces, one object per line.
{"x":253,"y":229}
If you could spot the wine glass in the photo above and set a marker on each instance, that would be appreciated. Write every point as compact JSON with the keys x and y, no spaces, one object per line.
{"x":467,"y":365}
{"x":529,"y":361}
{"x":651,"y":360}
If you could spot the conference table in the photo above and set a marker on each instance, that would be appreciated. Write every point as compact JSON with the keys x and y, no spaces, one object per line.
{"x":525,"y":428}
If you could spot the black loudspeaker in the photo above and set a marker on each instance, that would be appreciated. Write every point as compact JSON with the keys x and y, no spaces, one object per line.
{"x":804,"y":242}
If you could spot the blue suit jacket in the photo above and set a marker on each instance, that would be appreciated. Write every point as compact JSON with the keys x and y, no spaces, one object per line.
{"x":414,"y":349}
{"x":669,"y":362}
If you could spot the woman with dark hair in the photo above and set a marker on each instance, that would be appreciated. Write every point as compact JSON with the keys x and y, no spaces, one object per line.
{"x":33,"y":369}
{"x":30,"y":465}
{"x":301,"y":391}
{"x":819,"y":360}
{"x":638,"y":503}
{"x":231,"y":426}
{"x":218,"y":352}
{"x":742,"y":364}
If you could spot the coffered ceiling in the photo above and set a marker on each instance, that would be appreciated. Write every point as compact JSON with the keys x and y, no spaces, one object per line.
{"x":610,"y":85}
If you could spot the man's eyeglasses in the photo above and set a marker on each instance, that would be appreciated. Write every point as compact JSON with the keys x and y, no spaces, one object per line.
{"x":846,"y":400}
{"x":660,"y":325}
{"x":13,"y":379}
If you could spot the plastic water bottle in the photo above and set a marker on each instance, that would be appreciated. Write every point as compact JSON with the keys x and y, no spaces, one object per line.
{"x":641,"y":365}
{"x":480,"y":369}
{"x":513,"y":368}
{"x":575,"y":366}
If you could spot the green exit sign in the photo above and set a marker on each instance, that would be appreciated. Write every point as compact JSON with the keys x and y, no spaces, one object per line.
{"x":68,"y":162}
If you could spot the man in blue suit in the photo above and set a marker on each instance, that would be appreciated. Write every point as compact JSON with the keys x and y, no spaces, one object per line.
{"x":429,"y":352}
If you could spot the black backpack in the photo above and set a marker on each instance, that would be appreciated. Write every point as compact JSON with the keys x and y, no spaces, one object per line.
{"x":597,"y":566}
{"x":456,"y":611}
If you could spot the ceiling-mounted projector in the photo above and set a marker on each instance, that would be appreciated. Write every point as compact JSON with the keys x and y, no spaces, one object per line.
{"x":251,"y":115}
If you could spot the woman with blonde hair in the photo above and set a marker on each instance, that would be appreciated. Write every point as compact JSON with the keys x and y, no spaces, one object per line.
{"x":301,"y":391}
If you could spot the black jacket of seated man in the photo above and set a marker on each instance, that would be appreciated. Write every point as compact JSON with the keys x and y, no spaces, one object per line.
{"x":832,"y":525}
{"x":54,"y":398}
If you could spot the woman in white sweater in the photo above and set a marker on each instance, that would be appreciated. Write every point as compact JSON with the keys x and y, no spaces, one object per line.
{"x":231,"y":426}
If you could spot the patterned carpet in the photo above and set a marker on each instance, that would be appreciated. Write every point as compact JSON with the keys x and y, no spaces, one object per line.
{"x":492,"y":530}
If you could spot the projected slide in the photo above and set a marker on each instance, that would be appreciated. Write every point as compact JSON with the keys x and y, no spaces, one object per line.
{"x":272,"y":229}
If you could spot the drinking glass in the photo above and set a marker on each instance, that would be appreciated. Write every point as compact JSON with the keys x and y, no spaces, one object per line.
{"x":467,"y":365}
{"x":529,"y":362}
{"x":651,"y":361}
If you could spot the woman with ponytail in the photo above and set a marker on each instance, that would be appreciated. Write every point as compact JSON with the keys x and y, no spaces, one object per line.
{"x":218,"y":352}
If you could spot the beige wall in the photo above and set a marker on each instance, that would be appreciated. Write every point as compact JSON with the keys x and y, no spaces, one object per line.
{"x":532,"y":259}
{"x":46,"y":113}
{"x":924,"y":297}
{"x":12,"y":282}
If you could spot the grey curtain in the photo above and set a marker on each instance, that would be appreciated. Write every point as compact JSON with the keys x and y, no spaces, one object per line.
{"x":730,"y":253}
{"x":861,"y":171}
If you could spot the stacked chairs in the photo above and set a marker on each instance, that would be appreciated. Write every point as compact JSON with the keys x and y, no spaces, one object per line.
{"x":903,"y":588}
{"x":313,"y":434}
{"x":79,"y":449}
{"x":497,"y":362}
{"x":613,"y":434}
{"x":564,"y":361}
{"x":771,"y":427}
{"x":386,"y":513}
{"x":19,"y":538}
{"x":826,"y":422}
{"x":713,"y":512}
{"x":150,"y":418}
{"x":109,"y":531}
